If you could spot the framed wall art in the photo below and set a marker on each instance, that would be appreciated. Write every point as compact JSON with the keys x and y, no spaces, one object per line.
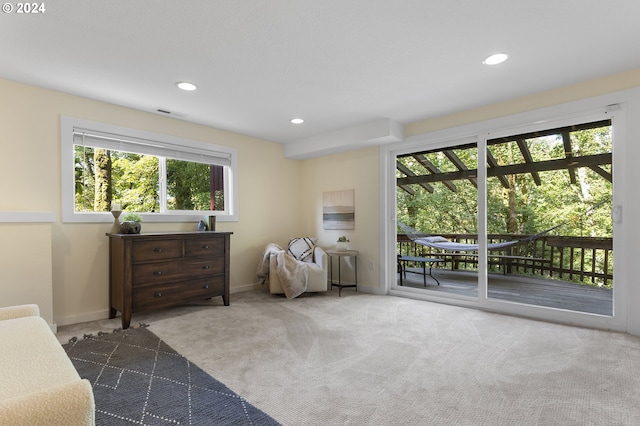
{"x":338,"y":209}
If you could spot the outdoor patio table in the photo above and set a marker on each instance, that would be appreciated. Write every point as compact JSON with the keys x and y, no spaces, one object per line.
{"x":424,"y":260}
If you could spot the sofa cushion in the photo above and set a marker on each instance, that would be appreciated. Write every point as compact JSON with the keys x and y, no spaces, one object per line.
{"x":70,"y":404}
{"x":19,"y":311}
{"x":31,"y":358}
{"x":302,"y":248}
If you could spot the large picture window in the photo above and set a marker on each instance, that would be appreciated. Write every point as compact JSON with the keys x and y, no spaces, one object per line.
{"x":164,"y":178}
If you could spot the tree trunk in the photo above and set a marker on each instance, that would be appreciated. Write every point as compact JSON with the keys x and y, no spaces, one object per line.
{"x":102,"y":174}
{"x":512,"y":219}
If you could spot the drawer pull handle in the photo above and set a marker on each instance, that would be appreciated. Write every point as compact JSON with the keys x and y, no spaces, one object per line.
{"x":157,"y":294}
{"x":206,"y":246}
{"x":205,"y":286}
{"x":205,"y":267}
{"x":157,"y":273}
{"x":158,"y":250}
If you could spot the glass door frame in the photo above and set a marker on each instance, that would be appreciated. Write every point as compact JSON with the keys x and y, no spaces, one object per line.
{"x":581,"y":111}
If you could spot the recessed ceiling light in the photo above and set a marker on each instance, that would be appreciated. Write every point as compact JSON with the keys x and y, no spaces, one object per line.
{"x":186,"y":85}
{"x":495,"y":59}
{"x":297,"y":121}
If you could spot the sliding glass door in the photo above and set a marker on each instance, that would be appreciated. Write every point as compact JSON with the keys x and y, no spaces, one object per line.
{"x":514,"y":221}
{"x":549,"y":198}
{"x":437,"y":212}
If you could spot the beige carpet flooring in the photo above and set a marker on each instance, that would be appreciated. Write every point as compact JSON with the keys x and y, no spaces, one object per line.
{"x":380,"y":360}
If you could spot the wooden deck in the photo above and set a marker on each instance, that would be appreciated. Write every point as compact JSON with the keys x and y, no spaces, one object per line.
{"x":521,"y":289}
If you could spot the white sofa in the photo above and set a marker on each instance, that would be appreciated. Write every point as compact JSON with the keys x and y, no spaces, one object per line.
{"x":38,"y":383}
{"x":317,"y":271}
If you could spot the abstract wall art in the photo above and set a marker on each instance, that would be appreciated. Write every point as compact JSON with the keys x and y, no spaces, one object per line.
{"x":338,"y":209}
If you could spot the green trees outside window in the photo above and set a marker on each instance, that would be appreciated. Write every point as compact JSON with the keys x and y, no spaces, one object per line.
{"x":137,"y":182}
{"x":578,"y":195}
{"x":554,"y":178}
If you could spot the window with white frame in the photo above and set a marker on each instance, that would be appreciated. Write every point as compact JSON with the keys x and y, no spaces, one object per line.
{"x":163,"y":177}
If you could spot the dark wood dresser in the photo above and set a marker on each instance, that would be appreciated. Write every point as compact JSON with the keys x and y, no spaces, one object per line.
{"x":154,"y":271}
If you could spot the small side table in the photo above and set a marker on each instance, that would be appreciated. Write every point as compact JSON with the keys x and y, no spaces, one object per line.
{"x":340,"y":255}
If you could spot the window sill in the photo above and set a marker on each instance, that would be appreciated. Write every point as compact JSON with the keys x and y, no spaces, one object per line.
{"x":146,"y":217}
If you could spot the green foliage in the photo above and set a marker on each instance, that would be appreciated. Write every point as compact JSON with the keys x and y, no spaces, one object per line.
{"x":132,"y":217}
{"x":523,"y":207}
{"x":578,"y":199}
{"x":188,"y":185}
{"x":133,"y":179}
{"x":442,"y":210}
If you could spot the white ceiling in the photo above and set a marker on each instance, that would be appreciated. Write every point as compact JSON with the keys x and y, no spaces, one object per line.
{"x":335,"y":63}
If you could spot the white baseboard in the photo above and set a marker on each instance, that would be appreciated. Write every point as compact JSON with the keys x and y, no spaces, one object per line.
{"x":101,"y":315}
{"x":370,"y":290}
{"x":243,"y":288}
{"x":77,"y":319}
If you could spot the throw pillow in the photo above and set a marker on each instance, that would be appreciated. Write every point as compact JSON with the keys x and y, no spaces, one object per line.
{"x":302,"y":248}
{"x":436,"y":239}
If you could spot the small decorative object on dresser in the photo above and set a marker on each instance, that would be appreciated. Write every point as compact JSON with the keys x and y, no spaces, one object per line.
{"x":154,"y":271}
{"x":131,"y":224}
{"x":116,"y":211}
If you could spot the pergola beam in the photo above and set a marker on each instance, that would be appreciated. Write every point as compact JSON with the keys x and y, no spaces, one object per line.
{"x":524,"y":149}
{"x":602,"y":172}
{"x":568,"y":153}
{"x":435,"y":171}
{"x":459,"y":164}
{"x":404,"y":169}
{"x":570,"y":162}
{"x":492,"y":165}
{"x":590,"y":161}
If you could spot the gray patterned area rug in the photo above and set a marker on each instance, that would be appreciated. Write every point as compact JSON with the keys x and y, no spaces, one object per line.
{"x":139,"y":379}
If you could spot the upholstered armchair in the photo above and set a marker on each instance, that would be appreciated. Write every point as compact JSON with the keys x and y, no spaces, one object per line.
{"x":311,"y":257}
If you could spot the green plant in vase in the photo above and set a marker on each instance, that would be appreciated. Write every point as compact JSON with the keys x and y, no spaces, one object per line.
{"x":131,"y":223}
{"x":342,"y":243}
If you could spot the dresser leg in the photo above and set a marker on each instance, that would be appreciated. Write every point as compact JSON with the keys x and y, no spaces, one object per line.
{"x":126,"y":320}
{"x":112,"y":313}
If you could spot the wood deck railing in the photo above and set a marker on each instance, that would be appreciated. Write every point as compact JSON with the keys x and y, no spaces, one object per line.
{"x":583,"y":260}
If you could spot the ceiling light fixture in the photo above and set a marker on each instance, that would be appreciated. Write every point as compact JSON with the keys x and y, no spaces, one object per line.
{"x":186,"y":86}
{"x":495,"y":59}
{"x":297,"y":121}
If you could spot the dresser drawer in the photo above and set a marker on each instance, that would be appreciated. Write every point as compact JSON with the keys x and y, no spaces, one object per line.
{"x":204,"y":266}
{"x":159,"y":296}
{"x":156,"y":250}
{"x":171,"y":270}
{"x":156,"y":272}
{"x":204,"y":246}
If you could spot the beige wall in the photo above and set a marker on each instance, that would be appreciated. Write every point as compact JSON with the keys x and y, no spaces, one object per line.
{"x":357,"y":170}
{"x":25,"y":264}
{"x":574,"y":92}
{"x":278,"y":198}
{"x":30,"y":181}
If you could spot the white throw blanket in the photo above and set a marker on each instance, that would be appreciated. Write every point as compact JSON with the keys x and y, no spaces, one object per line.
{"x":292,"y":273}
